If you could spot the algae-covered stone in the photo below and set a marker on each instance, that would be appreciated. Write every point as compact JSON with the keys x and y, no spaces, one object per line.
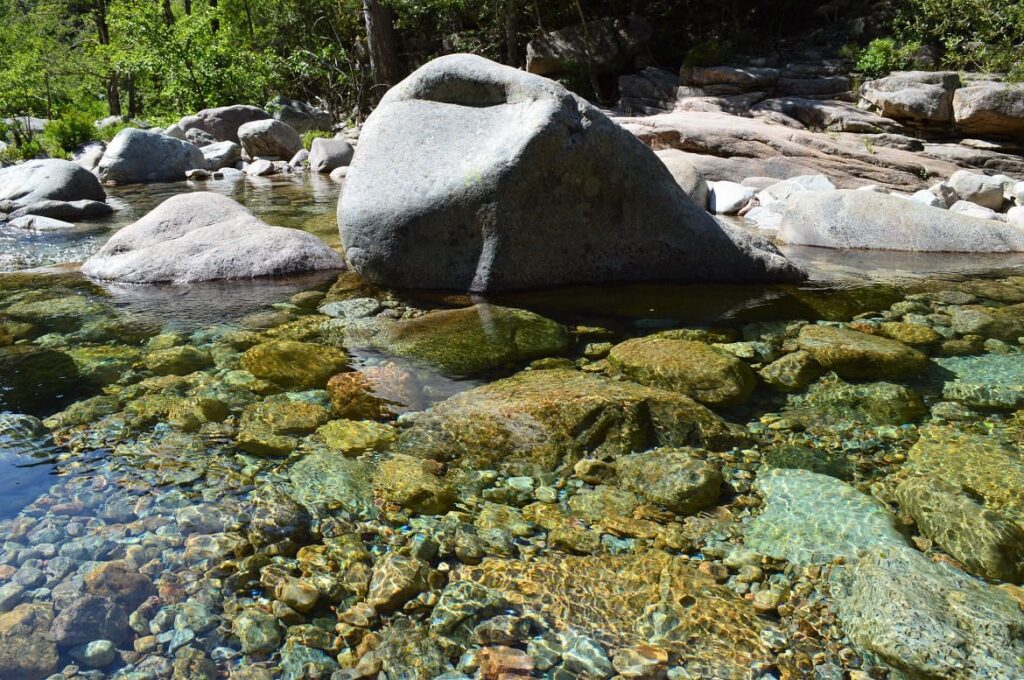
{"x":543,"y":420}
{"x":791,"y":372}
{"x":989,"y":465}
{"x":1003,"y":323}
{"x":257,"y":631}
{"x":473,"y":340}
{"x":910,"y":333}
{"x":650,"y":598}
{"x":602,"y":502}
{"x":836,"y":464}
{"x":832,"y":401}
{"x":985,"y":542}
{"x":59,"y":315}
{"x":810,"y":518}
{"x":987,"y":381}
{"x":375,"y":392}
{"x":324,"y":480}
{"x":396,"y":580}
{"x":103,"y":364}
{"x":26,"y":650}
{"x":32,"y":378}
{"x":413,"y":483}
{"x":353,"y":437}
{"x":857,"y":355}
{"x":180,"y":360}
{"x":928,"y":619}
{"x":674,"y":478}
{"x":693,"y":368}
{"x":270,"y":428}
{"x":293,"y":364}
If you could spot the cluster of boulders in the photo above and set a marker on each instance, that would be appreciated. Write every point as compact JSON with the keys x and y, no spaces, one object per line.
{"x":41,"y":194}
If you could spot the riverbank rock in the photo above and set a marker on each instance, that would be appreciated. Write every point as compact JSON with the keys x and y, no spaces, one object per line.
{"x":467,"y":341}
{"x":269,"y":139}
{"x":26,"y":651}
{"x":546,"y":419}
{"x":696,"y":369}
{"x":221,"y":155}
{"x":857,"y":355}
{"x":203,"y":236}
{"x":926,"y":618}
{"x":300,"y":116}
{"x":609,"y":46}
{"x":537,"y":204}
{"x":222,"y":122}
{"x":990,"y":109}
{"x":874,"y":221}
{"x":64,"y":210}
{"x":810,"y":518}
{"x":135,"y":156}
{"x":914,"y":95}
{"x":687,"y":177}
{"x":49,"y":180}
{"x":977,"y":188}
{"x":326,"y":155}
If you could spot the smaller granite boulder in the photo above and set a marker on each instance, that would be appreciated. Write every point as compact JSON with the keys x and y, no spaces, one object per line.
{"x":135,"y":156}
{"x":221,"y":122}
{"x":49,"y":179}
{"x":204,"y":236}
{"x":326,"y":155}
{"x":990,"y":109}
{"x":269,"y":139}
{"x":977,"y":188}
{"x":221,"y":155}
{"x":299,"y":115}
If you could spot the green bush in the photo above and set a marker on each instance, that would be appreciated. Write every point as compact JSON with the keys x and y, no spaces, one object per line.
{"x":882,"y":56}
{"x":28,"y":150}
{"x":67,"y":132}
{"x":711,"y":53}
{"x":308,"y":137}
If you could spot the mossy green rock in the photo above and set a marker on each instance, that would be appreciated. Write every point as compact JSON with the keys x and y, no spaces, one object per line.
{"x":414,"y":484}
{"x":540,"y":421}
{"x":473,"y":340}
{"x":271,"y":428}
{"x":60,"y":315}
{"x":180,"y":360}
{"x":857,"y":355}
{"x":293,"y":364}
{"x":792,"y":372}
{"x":985,"y":542}
{"x":693,"y":368}
{"x":104,"y":364}
{"x":353,"y":437}
{"x":832,"y":401}
{"x":323,"y":481}
{"x":32,"y":378}
{"x":678,"y":479}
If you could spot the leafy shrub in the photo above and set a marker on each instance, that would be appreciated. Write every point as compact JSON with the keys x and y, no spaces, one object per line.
{"x":882,"y":56}
{"x":308,"y":137}
{"x":28,"y":150}
{"x":711,"y":53}
{"x":67,"y":132}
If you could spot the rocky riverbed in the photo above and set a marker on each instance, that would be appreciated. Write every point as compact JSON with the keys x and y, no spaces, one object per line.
{"x":350,"y":481}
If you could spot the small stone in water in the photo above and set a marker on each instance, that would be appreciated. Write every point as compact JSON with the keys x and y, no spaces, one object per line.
{"x":95,"y":654}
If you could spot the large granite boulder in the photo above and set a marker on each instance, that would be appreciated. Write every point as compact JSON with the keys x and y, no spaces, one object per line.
{"x":869,"y":220}
{"x":203,"y":236}
{"x":135,"y":156}
{"x":222,"y":122}
{"x":299,"y":115}
{"x":49,"y":180}
{"x":609,"y":46}
{"x":476,"y":176}
{"x":914,"y":95}
{"x":326,"y":155}
{"x":990,"y":109}
{"x":269,"y":139}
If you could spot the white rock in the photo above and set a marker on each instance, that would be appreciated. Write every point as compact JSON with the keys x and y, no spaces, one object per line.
{"x":727,"y":198}
{"x":300,"y":157}
{"x":764,"y":218}
{"x":974,"y":210}
{"x":944,"y":191}
{"x":339,"y":174}
{"x":928,"y":198}
{"x":38,"y":223}
{"x":260,"y":168}
{"x":782,"y":191}
{"x":875,"y":188}
{"x":1015,"y":217}
{"x":1018,"y":193}
{"x":977,"y":188}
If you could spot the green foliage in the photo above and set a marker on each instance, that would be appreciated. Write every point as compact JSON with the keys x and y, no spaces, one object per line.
{"x":68,"y":131}
{"x":28,"y":150}
{"x":308,"y":137}
{"x":986,"y":35}
{"x":110,"y":131}
{"x":710,"y":53}
{"x":882,"y":56}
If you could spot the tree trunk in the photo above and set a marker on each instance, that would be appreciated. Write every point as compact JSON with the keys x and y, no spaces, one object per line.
{"x":512,"y":32}
{"x":168,"y":14}
{"x":188,"y":8}
{"x":114,"y":94}
{"x":133,"y":100}
{"x":382,"y":44}
{"x":214,"y":22}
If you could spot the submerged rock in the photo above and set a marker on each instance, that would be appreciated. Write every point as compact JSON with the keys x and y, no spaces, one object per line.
{"x":928,"y":619}
{"x":324,"y":480}
{"x":26,"y":650}
{"x":414,"y":484}
{"x":470,"y":340}
{"x":544,"y":420}
{"x":203,"y":236}
{"x":810,"y":518}
{"x":293,"y":364}
{"x":538,"y":204}
{"x":857,"y":355}
{"x":33,"y":378}
{"x":873,"y":221}
{"x":696,"y":369}
{"x":136,"y":155}
{"x":833,"y":401}
{"x":675,"y":478}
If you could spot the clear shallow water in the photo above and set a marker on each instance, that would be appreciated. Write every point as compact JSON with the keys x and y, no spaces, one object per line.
{"x":269,"y":562}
